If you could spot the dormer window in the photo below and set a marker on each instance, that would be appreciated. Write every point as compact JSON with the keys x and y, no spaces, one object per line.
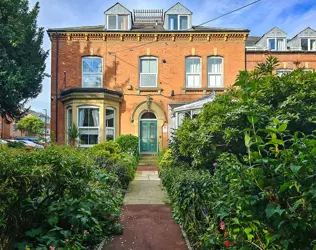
{"x":117,"y":22}
{"x":178,"y":22}
{"x":276,"y":44}
{"x":308,"y":44}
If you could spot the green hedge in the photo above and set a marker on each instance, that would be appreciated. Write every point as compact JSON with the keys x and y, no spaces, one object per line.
{"x":242,"y":174}
{"x":55,"y":197}
{"x":129,"y":144}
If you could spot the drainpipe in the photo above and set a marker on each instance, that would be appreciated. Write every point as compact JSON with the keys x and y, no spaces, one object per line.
{"x":56,"y":97}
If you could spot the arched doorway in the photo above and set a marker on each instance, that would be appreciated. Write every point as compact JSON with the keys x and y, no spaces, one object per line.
{"x":148,"y":133}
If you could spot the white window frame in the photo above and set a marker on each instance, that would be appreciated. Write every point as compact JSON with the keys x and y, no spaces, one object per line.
{"x":308,"y":43}
{"x":276,"y":44}
{"x":208,"y":73}
{"x":79,"y":127}
{"x":140,"y":74}
{"x":178,"y":16}
{"x":280,"y":72}
{"x":67,"y":121}
{"x":114,"y":124}
{"x":117,"y":15}
{"x":186,"y":73}
{"x":91,"y":73}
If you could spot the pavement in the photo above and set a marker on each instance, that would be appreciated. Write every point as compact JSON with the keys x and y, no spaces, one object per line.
{"x":147,"y":220}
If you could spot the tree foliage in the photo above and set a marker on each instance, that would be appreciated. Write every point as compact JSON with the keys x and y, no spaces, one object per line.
{"x":32,"y":125}
{"x":22,"y":59}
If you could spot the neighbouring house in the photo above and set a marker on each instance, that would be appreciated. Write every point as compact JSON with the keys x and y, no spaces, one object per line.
{"x":300,"y":51}
{"x":10,"y":131}
{"x":131,"y":73}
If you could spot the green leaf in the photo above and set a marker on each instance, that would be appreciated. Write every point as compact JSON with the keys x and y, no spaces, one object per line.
{"x":252,"y":119}
{"x":285,"y":186}
{"x":53,"y":220}
{"x":248,"y":231}
{"x":271,"y":209}
{"x":282,"y":127}
{"x":34,"y":232}
{"x":247,"y":140}
{"x":295,"y":168}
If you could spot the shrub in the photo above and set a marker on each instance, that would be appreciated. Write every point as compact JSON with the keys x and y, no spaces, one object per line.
{"x":108,"y":156}
{"x":55,"y":197}
{"x":129,"y":144}
{"x":16,"y":144}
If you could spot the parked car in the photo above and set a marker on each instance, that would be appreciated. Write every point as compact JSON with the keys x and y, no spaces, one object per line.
{"x":3,"y":141}
{"x":31,"y":144}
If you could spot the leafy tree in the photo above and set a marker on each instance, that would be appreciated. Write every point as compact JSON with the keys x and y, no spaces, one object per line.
{"x":32,"y":125}
{"x":267,"y":67}
{"x":22,"y":59}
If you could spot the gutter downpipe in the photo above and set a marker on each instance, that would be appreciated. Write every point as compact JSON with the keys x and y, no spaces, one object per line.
{"x":57,"y":59}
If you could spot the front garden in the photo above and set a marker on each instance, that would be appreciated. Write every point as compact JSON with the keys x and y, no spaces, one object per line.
{"x":64,"y":197}
{"x":242,"y":175}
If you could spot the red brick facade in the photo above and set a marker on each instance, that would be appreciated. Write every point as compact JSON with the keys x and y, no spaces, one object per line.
{"x":121,"y":68}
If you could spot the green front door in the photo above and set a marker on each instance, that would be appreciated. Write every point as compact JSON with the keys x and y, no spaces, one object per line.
{"x":148,"y":136}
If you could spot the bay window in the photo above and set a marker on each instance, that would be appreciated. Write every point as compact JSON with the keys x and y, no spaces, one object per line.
{"x":110,"y":124}
{"x":215,"y":72}
{"x":148,"y":71}
{"x":91,"y":72}
{"x":89,"y":125}
{"x":276,"y":44}
{"x":193,"y":72}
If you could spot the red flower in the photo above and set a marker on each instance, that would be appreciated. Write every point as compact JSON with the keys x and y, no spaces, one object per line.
{"x":72,"y":226}
{"x":113,"y":192}
{"x":52,"y":248}
{"x":104,"y":217}
{"x":222,"y":225}
{"x":226,"y":243}
{"x":214,"y":164}
{"x":85,"y":232}
{"x":111,"y":217}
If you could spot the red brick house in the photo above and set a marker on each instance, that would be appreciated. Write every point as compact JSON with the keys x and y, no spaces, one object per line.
{"x":126,"y":75}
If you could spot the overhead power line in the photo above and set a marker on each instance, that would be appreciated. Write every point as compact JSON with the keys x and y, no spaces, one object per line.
{"x":245,"y":6}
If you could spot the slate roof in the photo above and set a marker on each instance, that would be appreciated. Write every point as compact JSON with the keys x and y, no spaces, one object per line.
{"x":252,"y":40}
{"x":90,"y":90}
{"x":143,"y":27}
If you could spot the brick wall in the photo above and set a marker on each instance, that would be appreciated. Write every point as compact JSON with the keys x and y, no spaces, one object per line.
{"x":123,"y":69}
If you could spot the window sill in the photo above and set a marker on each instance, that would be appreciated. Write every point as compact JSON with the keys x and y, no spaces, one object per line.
{"x":148,"y":89}
{"x":203,"y":90}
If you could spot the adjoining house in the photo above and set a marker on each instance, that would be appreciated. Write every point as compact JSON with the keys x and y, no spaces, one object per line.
{"x":300,"y":51}
{"x":127,"y":75}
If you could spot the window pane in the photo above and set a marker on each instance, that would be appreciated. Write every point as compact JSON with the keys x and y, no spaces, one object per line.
{"x":304,"y":44}
{"x":110,"y":134}
{"x":110,"y":118}
{"x":280,"y":44}
{"x":183,"y":22}
{"x":92,"y":65}
{"x":89,"y":136}
{"x":122,"y":22}
{"x":69,"y":118}
{"x":271,"y":44}
{"x":215,"y":80}
{"x":88,"y":117}
{"x":91,"y":80}
{"x":148,"y":65}
{"x":173,"y":22}
{"x":111,"y":22}
{"x":193,"y":65}
{"x":193,"y":81}
{"x":312,"y":44}
{"x":215,"y":65}
{"x":148,"y":80}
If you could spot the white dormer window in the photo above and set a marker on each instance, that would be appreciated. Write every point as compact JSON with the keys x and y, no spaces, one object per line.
{"x":276,"y":44}
{"x":178,"y":22}
{"x":308,"y":44}
{"x":117,"y":22}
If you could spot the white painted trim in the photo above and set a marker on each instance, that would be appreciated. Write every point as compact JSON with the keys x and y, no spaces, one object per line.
{"x":308,"y":42}
{"x":114,"y":123}
{"x":139,"y":66}
{"x":116,"y":24}
{"x":276,"y":44}
{"x":208,"y":73}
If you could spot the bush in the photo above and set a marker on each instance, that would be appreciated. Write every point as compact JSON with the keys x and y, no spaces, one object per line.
{"x":108,"y":156}
{"x":242,"y":174}
{"x":129,"y":144}
{"x":55,"y":197}
{"x":16,"y":144}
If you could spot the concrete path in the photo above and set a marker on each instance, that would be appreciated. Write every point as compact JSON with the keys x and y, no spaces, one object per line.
{"x":147,"y":220}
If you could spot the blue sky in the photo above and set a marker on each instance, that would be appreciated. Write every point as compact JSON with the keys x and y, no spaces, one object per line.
{"x":292,"y":16}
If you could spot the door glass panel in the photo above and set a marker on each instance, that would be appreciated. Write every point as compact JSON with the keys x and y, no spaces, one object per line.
{"x":152,"y":131}
{"x":144,"y":131}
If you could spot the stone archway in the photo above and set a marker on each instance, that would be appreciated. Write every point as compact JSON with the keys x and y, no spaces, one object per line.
{"x":149,"y":106}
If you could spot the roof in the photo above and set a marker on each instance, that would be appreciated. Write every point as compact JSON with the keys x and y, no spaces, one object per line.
{"x":198,"y":104}
{"x":301,"y":32}
{"x":91,"y":90}
{"x":117,"y":4}
{"x":252,"y":40}
{"x":145,"y":27}
{"x":178,"y":3}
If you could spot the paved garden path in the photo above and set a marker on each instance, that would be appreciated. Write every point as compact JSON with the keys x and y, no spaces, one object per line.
{"x":147,"y":220}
